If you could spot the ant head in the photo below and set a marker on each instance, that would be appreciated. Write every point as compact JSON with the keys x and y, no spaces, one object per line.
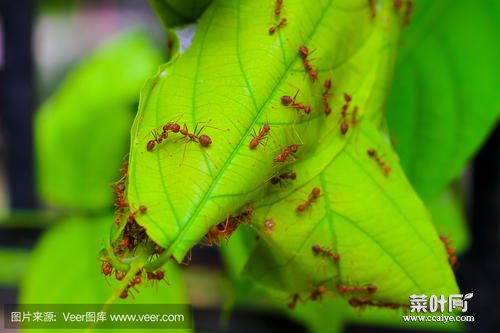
{"x":303,"y":51}
{"x":119,"y":275}
{"x":286,"y":100}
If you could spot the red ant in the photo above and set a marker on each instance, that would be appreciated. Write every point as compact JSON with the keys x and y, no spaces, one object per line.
{"x":397,"y":4}
{"x":277,"y":179}
{"x":292,"y":149}
{"x":203,"y":140}
{"x":344,"y":126}
{"x":289,"y":101}
{"x":383,"y":164}
{"x":257,"y":138}
{"x":325,"y":95}
{"x":106,"y":268}
{"x":357,"y":303}
{"x":119,"y":275}
{"x":159,"y":137}
{"x":157,"y":276}
{"x":452,"y":258}
{"x":371,"y":4}
{"x":126,"y":242}
{"x":120,"y":204}
{"x":124,"y":293}
{"x":370,"y":288}
{"x":314,"y":194}
{"x":318,"y":292}
{"x":277,"y":10}
{"x":354,"y":120}
{"x":293,"y":303}
{"x":124,"y":170}
{"x":142,"y":209}
{"x":304,"y":53}
{"x":408,"y":12}
{"x":227,"y":227}
{"x":280,"y":25}
{"x":318,"y":249}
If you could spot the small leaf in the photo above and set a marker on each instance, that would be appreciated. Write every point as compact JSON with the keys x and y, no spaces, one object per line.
{"x":81,"y":131}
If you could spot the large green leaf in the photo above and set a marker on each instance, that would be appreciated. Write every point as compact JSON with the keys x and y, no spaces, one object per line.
{"x":231,"y":81}
{"x":444,"y":99}
{"x":81,"y":131}
{"x":63,"y":269}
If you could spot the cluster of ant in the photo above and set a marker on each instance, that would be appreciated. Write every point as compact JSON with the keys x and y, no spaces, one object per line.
{"x":152,"y":277}
{"x":161,"y":134}
{"x":225,"y":229}
{"x":317,"y":293}
{"x":282,"y":20}
{"x":382,"y":163}
{"x":356,"y":294}
{"x":132,"y":236}
{"x":452,"y":252}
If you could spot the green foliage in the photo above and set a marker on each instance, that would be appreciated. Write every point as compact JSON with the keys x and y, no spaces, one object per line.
{"x":444,"y":99}
{"x":176,"y":12}
{"x":15,"y":260}
{"x":228,"y":85}
{"x":63,"y":269}
{"x":81,"y":131}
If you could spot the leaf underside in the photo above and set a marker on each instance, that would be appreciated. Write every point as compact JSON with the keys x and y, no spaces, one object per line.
{"x":228,"y":85}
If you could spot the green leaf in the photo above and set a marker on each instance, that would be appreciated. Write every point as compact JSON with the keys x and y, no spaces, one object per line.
{"x":15,"y":260}
{"x":447,"y":211}
{"x":63,"y":269}
{"x":377,"y":224}
{"x":81,"y":131}
{"x":228,"y":84}
{"x":444,"y":99}
{"x":176,"y":12}
{"x":231,"y":80}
